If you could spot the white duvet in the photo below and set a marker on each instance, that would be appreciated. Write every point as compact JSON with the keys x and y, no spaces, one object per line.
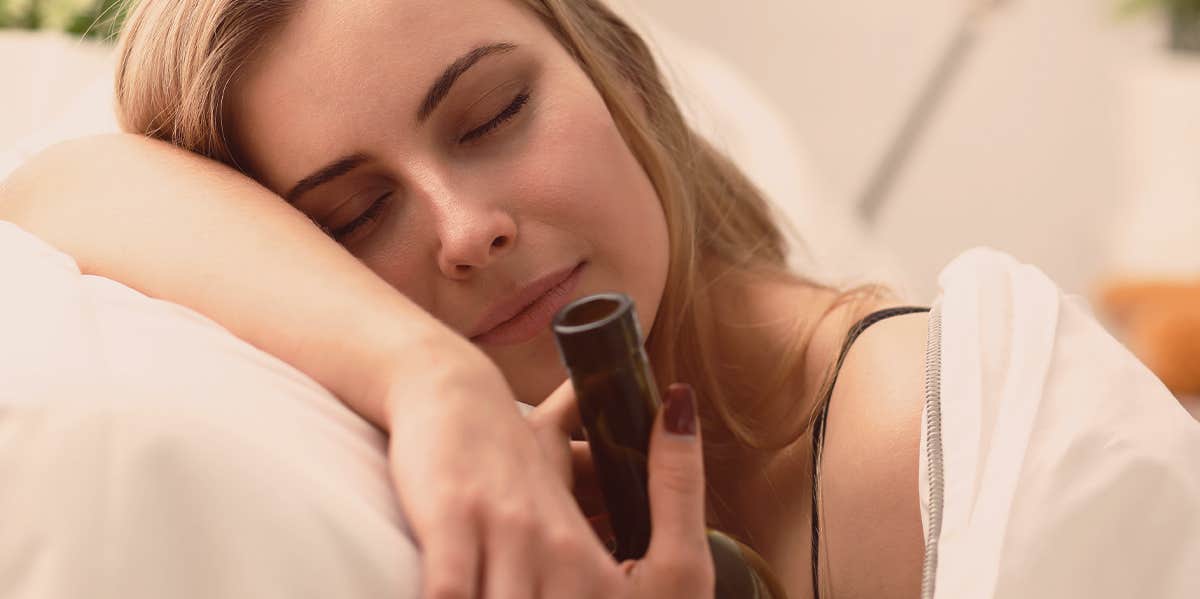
{"x":1064,"y":468}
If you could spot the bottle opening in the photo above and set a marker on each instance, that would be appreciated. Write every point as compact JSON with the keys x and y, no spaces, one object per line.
{"x":590,"y":312}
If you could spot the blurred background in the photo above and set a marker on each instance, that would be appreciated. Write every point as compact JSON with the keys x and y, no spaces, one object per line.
{"x":895,"y":134}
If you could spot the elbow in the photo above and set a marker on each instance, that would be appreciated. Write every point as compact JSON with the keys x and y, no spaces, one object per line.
{"x":42,"y":177}
{"x":48,"y":188}
{"x":55,"y":193}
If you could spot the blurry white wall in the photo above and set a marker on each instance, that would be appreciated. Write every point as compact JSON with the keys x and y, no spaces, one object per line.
{"x":41,"y":75}
{"x":1028,"y":153}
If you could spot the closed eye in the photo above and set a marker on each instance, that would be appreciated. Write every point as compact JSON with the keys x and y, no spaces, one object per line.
{"x":374,"y":212}
{"x":511,"y":111}
{"x":345,"y":234}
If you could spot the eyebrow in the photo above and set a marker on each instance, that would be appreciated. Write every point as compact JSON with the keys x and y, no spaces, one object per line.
{"x":437,"y":92}
{"x":441,"y":87}
{"x":332,"y":171}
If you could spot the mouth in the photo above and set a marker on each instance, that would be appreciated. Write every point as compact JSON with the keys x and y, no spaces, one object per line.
{"x":531,"y":312}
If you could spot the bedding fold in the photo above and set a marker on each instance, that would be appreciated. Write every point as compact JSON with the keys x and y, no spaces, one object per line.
{"x":1069,"y":470}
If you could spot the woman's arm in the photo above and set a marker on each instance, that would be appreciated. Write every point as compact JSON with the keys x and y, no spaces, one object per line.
{"x":189,"y":230}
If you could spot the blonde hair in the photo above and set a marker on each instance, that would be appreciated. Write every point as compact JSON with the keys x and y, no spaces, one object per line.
{"x":177,"y":58}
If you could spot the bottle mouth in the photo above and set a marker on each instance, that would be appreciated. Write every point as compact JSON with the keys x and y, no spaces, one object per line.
{"x":598,"y":331}
{"x":591,"y":313}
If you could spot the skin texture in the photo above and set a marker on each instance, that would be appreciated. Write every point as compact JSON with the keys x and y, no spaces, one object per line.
{"x":873,"y":544}
{"x":468,"y":221}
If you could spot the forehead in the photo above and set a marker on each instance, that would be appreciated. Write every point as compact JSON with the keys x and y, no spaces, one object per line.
{"x":355,"y":31}
{"x":340,"y":64}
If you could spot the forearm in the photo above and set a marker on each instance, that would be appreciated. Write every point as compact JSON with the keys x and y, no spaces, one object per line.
{"x":188,"y":230}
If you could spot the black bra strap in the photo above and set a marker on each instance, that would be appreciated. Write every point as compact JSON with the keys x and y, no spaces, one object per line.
{"x":818,"y":432}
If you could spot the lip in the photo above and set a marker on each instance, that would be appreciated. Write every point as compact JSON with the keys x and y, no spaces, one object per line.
{"x":523,"y":315}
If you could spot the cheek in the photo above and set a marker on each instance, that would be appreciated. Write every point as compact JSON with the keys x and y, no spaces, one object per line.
{"x":578,"y":162}
{"x":604,"y":198}
{"x":397,"y":258}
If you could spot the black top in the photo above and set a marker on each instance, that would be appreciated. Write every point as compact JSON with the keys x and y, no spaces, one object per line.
{"x":818,"y":436}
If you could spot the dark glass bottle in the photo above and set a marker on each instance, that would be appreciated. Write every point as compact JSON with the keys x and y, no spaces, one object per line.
{"x":600,"y":342}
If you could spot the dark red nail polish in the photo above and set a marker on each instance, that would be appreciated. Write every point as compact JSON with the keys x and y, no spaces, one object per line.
{"x":679,"y":416}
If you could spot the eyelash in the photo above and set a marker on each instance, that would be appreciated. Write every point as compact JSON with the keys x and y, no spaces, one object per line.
{"x":373,"y":212}
{"x":513,"y":110}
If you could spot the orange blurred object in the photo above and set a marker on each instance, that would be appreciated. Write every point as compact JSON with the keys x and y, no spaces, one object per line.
{"x":1159,"y":321}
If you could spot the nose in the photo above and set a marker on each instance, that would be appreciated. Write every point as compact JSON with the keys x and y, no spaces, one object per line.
{"x":473,"y":234}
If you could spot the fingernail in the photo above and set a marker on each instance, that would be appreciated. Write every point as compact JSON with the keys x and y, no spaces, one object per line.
{"x":679,"y":416}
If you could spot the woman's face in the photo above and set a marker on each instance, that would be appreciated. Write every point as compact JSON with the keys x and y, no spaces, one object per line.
{"x":459,"y":152}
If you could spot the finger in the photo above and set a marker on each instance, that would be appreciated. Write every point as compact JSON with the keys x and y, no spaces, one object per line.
{"x":676,"y":471}
{"x":510,"y":564}
{"x":578,"y":564}
{"x":573,"y":577}
{"x":584,"y":468}
{"x":678,"y":552}
{"x":450,"y":564}
{"x":557,"y":449}
{"x":589,"y":495}
{"x":559,"y":411}
{"x":581,"y":461}
{"x":628,"y":566}
{"x":551,"y":422}
{"x":603,"y":529}
{"x":585,"y":487}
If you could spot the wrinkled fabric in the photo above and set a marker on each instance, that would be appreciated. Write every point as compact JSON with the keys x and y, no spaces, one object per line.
{"x":1069,"y":469}
{"x":146,"y":452}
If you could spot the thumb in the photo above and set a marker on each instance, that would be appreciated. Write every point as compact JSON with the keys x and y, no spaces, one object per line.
{"x":552,"y":422}
{"x":676,"y":482}
{"x":559,"y":411}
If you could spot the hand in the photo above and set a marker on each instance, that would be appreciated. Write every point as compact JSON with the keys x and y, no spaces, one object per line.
{"x":489,"y":511}
{"x":678,"y":562}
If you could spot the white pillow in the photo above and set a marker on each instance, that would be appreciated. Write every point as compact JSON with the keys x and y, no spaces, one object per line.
{"x":146,"y":452}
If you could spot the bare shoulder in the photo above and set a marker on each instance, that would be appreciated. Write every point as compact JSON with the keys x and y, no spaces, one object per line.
{"x":872,"y":541}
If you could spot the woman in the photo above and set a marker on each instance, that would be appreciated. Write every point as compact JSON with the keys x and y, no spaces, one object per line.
{"x":477,"y":160}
